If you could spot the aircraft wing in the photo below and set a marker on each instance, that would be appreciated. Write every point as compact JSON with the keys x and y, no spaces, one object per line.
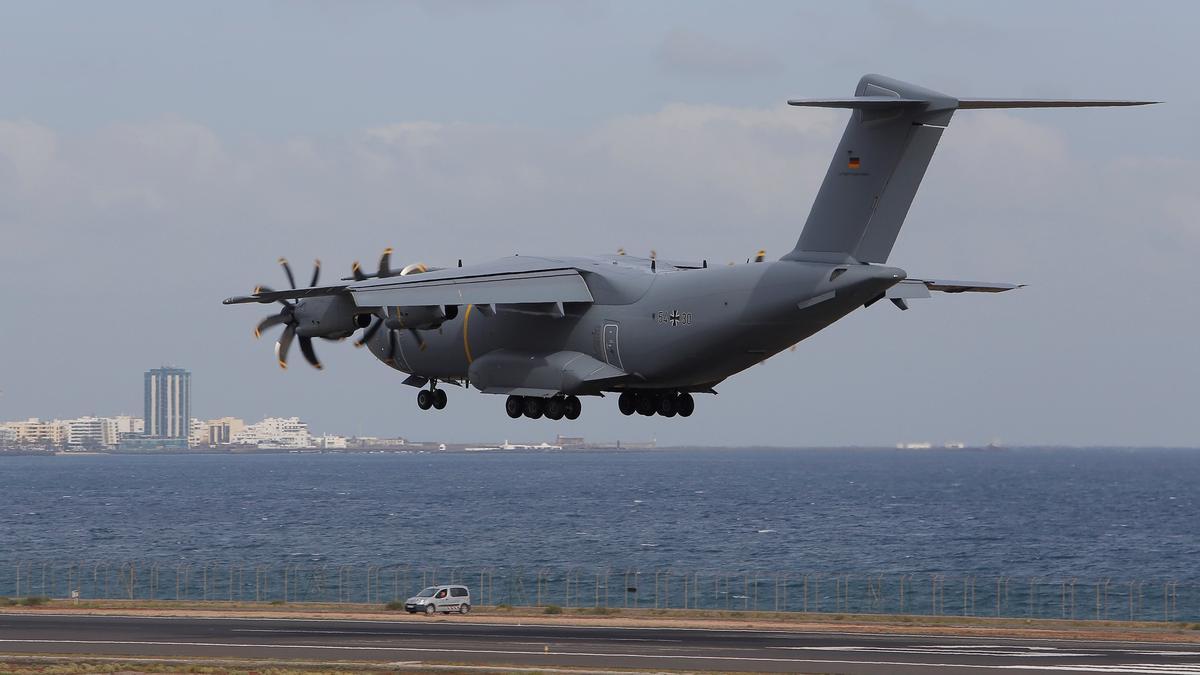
{"x":920,"y":288}
{"x":512,"y":281}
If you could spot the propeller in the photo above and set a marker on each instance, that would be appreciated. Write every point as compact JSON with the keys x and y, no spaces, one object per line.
{"x":287,"y":318}
{"x":385,"y":270}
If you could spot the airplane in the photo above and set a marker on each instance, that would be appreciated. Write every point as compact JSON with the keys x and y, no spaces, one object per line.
{"x":546,"y":331}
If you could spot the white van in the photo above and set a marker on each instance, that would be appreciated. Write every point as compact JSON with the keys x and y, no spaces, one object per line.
{"x":444,"y":599}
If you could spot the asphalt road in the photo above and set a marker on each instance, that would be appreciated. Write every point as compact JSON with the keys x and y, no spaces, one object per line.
{"x":449,"y":640}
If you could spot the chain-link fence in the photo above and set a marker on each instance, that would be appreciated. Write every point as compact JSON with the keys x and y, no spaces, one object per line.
{"x":1060,"y":597}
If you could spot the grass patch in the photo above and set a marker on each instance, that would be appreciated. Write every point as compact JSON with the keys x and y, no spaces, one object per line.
{"x":35,"y":601}
{"x":597,"y":611}
{"x":552,"y":609}
{"x":394,"y":606}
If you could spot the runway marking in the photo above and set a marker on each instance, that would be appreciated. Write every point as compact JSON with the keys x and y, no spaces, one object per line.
{"x":540,"y":639}
{"x":963,"y":650}
{"x":1150,"y":669}
{"x":772,"y":634}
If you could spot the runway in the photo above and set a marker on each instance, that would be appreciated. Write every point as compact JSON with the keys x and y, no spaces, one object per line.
{"x":449,"y":640}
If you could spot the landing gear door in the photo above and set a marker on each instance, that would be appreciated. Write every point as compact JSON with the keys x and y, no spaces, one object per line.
{"x":612,"y":351}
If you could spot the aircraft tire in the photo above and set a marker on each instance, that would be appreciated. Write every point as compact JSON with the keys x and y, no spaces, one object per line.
{"x":554,"y":408}
{"x":627,"y":403}
{"x":686,"y":404}
{"x":439,"y":399}
{"x":533,"y":407}
{"x":574,"y":407}
{"x":645,"y":404}
{"x":424,"y":399}
{"x":514,"y":406}
{"x":665,"y":405}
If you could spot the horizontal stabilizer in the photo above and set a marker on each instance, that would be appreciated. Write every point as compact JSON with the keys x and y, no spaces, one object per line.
{"x":889,"y":102}
{"x":920,"y":288}
{"x":990,"y":103}
{"x":858,"y":102}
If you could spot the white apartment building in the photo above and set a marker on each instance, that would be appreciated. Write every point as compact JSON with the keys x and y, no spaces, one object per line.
{"x":330,"y":442}
{"x":36,"y":432}
{"x":221,"y":431}
{"x":276,"y":432}
{"x":91,"y":432}
{"x":127,"y":424}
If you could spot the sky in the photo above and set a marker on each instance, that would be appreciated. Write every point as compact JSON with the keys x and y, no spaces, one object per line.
{"x":156,"y":158}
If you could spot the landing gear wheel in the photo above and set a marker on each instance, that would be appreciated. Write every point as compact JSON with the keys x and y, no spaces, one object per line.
{"x":439,"y":398}
{"x":464,"y":608}
{"x":666,"y":404}
{"x":627,"y":403}
{"x":574,"y":407}
{"x":430,"y":610}
{"x":514,"y":406}
{"x":555,"y":408}
{"x":686,"y":404}
{"x":533,"y":407}
{"x":424,"y":399}
{"x":645,"y":404}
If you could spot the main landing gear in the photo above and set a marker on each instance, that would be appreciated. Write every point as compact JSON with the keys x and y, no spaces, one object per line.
{"x":431,"y":398}
{"x":534,"y":407}
{"x":665,"y":403}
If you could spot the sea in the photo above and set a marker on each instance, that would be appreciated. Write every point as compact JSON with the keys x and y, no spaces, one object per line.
{"x":1087,"y":513}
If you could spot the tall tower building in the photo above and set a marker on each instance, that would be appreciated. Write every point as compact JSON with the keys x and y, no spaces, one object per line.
{"x":168,"y":403}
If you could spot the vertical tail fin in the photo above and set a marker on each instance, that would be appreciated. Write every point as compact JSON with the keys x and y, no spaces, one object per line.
{"x":891,"y":136}
{"x":893,"y":131}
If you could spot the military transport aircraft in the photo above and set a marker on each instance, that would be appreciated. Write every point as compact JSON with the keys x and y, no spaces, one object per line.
{"x":545,"y":331}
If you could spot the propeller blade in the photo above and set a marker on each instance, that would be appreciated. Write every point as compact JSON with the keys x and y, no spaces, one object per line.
{"x":268,"y":289}
{"x":392,"y":345}
{"x":356,"y":272}
{"x":369,"y":332}
{"x":385,"y":263}
{"x":273,"y":320}
{"x":306,"y":348}
{"x":417,"y":337}
{"x":287,"y":269}
{"x":316,"y":273}
{"x":284,"y":343}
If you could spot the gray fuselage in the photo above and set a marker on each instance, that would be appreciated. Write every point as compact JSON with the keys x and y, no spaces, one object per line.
{"x":668,"y":328}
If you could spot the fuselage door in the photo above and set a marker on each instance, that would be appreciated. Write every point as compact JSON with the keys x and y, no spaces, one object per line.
{"x":612,"y":352}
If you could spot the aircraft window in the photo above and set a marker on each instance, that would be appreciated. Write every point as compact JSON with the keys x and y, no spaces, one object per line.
{"x":837,"y":273}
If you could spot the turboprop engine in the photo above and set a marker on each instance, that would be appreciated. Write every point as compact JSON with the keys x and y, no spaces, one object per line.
{"x":422,"y":317}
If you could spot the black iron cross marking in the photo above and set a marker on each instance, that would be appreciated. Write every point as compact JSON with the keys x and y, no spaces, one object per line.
{"x":675,"y":318}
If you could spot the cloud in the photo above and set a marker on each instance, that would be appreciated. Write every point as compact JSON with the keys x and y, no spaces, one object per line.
{"x":696,"y":54}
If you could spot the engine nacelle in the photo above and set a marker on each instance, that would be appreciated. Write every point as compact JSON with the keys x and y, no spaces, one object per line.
{"x":330,"y":316}
{"x":422,"y":317}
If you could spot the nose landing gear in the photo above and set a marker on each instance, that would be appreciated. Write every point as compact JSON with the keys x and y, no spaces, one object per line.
{"x":431,"y":398}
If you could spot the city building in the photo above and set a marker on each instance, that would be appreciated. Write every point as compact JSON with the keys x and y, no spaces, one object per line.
{"x":90,"y":433}
{"x":221,"y":431}
{"x":168,"y":400}
{"x":33,"y":431}
{"x":275,"y":432}
{"x":330,"y":442}
{"x":128,"y":424}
